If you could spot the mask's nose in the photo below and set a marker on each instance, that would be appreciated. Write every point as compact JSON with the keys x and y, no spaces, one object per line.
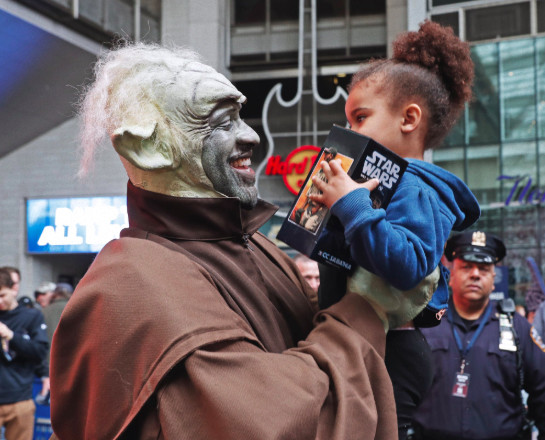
{"x":246,"y":136}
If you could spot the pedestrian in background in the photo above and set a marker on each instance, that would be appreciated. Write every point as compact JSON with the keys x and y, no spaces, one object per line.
{"x":311,"y":273}
{"x":52,"y":313}
{"x":24,"y":346}
{"x":15,"y":274}
{"x":44,"y":293}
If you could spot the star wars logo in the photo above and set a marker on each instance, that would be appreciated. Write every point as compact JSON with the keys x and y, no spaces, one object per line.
{"x":380,"y":167}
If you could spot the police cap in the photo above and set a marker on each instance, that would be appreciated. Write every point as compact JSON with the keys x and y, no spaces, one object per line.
{"x":475,"y":247}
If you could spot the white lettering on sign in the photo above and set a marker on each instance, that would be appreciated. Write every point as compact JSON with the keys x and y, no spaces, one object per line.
{"x":92,"y":225}
{"x":378,"y":167}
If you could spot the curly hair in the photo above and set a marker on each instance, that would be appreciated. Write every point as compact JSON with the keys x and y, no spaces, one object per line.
{"x":432,"y":65}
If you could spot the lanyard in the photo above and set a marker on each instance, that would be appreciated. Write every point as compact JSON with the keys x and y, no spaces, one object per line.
{"x":465,"y":351}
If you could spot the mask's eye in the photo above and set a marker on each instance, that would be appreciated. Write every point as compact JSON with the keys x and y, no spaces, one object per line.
{"x":226,"y":123}
{"x":223,"y":117}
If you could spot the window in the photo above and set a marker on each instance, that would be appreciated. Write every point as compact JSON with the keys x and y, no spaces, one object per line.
{"x":540,"y":15}
{"x":450,"y":19}
{"x":517,"y":83}
{"x":249,"y":12}
{"x":456,"y":135}
{"x":339,"y":8}
{"x":150,"y":20}
{"x":483,"y":168}
{"x":330,"y":8}
{"x":359,"y":7}
{"x":484,"y":111}
{"x":540,"y":86}
{"x":119,"y":17}
{"x":541,"y":175}
{"x":265,"y":32}
{"x":436,"y":3}
{"x":254,"y":12}
{"x":498,"y":21}
{"x":104,"y":20}
{"x":284,"y":10}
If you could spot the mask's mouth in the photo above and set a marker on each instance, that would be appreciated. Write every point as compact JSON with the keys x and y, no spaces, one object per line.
{"x":242,"y":165}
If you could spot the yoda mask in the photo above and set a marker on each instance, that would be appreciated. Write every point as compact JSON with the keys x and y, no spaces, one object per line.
{"x":173,"y":121}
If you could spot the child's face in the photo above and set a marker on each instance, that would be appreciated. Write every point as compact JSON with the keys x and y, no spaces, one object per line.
{"x":368,"y":112}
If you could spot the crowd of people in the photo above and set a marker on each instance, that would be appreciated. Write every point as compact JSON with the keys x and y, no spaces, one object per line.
{"x":193,"y":325}
{"x":26,"y":331}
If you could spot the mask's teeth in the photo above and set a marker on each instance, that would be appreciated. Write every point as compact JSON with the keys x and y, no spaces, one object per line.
{"x":240,"y":163}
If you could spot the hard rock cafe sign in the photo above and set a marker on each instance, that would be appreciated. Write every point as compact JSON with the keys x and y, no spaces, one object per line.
{"x":294,"y":168}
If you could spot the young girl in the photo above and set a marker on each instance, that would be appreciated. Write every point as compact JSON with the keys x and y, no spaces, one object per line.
{"x":408,"y":103}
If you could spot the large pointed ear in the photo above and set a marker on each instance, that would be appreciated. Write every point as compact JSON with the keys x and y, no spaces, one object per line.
{"x":138,"y":145}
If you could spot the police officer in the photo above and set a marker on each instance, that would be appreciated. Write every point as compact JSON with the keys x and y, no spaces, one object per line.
{"x":484,"y":355}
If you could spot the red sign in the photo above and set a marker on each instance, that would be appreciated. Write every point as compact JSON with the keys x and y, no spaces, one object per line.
{"x":295,"y":168}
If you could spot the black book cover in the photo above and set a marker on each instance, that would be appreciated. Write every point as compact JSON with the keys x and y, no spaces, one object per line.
{"x":363,"y":159}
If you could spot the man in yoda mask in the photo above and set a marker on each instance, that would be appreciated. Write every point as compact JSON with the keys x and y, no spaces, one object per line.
{"x":193,"y":325}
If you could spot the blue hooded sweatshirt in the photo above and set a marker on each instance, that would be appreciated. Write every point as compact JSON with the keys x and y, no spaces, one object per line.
{"x":404,"y":243}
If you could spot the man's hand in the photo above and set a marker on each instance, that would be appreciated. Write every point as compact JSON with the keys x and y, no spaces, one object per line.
{"x":5,"y":332}
{"x":338,"y":184}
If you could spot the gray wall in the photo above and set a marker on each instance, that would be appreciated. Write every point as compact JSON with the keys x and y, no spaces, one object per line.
{"x":47,"y":167}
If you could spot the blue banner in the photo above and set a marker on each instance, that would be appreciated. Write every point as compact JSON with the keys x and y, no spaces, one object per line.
{"x":74,"y":225}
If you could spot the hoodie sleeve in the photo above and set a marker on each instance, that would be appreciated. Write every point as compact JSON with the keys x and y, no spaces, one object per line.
{"x":403,"y":244}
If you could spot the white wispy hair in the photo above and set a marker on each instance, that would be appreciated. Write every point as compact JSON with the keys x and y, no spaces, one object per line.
{"x":131,"y":81}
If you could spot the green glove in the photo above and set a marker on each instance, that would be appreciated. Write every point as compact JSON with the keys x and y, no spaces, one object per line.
{"x":394,"y":307}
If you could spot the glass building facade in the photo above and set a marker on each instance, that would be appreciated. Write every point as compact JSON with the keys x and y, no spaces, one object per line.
{"x":498,"y":148}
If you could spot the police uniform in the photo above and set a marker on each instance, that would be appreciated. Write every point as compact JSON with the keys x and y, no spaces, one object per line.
{"x":475,"y":392}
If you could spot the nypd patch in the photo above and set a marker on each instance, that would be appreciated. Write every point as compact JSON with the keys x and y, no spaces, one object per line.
{"x":538,"y":340}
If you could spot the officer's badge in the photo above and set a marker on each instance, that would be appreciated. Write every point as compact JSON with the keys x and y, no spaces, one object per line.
{"x":478,"y":238}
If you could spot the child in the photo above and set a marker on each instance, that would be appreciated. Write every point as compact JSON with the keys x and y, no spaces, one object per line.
{"x":408,"y":103}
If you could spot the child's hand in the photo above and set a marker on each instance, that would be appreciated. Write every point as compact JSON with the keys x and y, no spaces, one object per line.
{"x":338,"y":184}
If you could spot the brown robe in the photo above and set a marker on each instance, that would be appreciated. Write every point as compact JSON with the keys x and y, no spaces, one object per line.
{"x":194,"y":326}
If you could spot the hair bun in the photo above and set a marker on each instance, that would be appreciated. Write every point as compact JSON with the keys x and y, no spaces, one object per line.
{"x":436,"y":48}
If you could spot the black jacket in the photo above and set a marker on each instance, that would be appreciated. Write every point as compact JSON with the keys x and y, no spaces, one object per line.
{"x":27,"y":350}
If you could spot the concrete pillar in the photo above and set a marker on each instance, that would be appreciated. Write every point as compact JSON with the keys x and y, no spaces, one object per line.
{"x":396,"y":21}
{"x":200,"y":25}
{"x":401,"y":16}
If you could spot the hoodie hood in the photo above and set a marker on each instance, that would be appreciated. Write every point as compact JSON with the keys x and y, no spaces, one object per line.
{"x":452,"y":191}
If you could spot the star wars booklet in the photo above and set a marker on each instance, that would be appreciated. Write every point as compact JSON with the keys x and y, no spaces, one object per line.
{"x":363,"y":159}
